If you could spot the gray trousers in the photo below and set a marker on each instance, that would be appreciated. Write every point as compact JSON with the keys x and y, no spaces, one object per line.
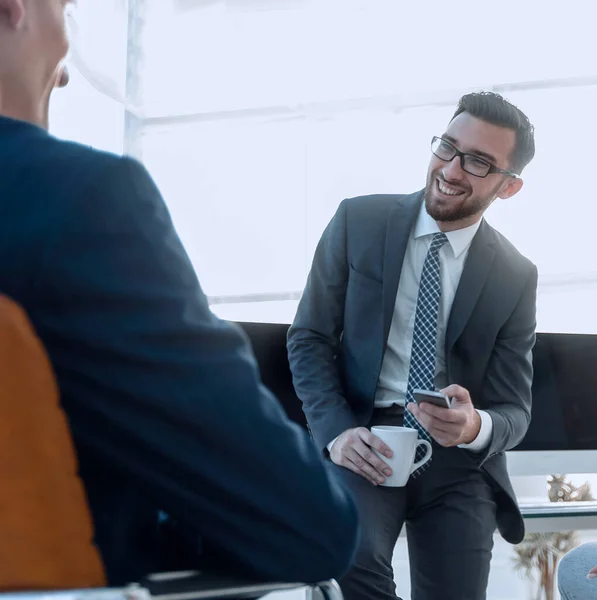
{"x":450,"y":518}
{"x":572,"y":573}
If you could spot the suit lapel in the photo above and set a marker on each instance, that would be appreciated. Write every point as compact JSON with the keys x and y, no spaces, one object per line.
{"x":400,"y":222}
{"x":474,"y":275}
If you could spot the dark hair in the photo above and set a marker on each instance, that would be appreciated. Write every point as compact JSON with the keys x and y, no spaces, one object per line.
{"x":494,"y":109}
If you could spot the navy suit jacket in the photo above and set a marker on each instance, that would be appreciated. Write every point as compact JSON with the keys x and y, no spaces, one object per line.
{"x":164,"y":399}
{"x":338,"y":339}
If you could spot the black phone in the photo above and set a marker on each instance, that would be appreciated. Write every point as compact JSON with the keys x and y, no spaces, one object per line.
{"x":436,"y":398}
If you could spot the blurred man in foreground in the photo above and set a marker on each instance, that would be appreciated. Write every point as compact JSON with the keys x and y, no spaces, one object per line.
{"x":164,"y":399}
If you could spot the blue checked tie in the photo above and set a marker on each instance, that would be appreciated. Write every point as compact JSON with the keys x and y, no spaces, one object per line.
{"x":422,"y":356}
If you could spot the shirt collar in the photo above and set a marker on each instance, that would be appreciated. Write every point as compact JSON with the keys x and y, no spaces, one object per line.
{"x":459,"y":240}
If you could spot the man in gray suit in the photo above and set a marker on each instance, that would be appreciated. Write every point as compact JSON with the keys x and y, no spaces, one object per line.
{"x":418,"y":291}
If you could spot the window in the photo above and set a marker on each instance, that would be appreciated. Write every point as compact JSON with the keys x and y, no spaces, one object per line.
{"x":260,"y":117}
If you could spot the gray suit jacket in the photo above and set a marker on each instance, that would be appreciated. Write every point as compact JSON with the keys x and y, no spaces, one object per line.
{"x":337,"y":341}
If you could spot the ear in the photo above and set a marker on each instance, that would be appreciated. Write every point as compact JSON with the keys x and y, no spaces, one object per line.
{"x":512,"y":186}
{"x":63,"y":77}
{"x":12,"y":13}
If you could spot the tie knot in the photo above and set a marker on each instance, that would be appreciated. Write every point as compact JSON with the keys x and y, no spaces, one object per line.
{"x":439,"y":239}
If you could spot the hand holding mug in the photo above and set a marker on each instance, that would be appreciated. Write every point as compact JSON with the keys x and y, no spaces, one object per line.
{"x":362,"y":452}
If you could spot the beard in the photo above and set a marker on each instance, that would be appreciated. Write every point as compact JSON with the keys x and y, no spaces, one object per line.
{"x":461,"y":207}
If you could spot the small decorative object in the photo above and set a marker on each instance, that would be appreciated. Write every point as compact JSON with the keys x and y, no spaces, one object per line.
{"x":537,"y":556}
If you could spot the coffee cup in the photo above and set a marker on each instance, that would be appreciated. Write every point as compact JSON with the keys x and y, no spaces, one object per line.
{"x":404,"y":443}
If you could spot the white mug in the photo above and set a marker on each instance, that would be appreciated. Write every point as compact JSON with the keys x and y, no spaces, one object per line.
{"x":404,"y":443}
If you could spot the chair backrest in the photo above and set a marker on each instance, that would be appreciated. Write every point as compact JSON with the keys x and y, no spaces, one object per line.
{"x":45,"y":527}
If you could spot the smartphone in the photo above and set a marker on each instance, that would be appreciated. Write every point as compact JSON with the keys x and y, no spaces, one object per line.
{"x":436,"y":398}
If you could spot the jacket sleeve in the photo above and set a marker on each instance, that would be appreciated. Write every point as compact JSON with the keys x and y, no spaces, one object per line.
{"x":168,"y":393}
{"x":507,"y":386}
{"x":314,"y":337}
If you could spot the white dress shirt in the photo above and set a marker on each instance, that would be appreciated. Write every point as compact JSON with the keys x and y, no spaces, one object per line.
{"x":393,"y":379}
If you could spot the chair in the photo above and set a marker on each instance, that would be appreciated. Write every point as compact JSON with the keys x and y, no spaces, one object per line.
{"x":45,"y":525}
{"x":46,"y":532}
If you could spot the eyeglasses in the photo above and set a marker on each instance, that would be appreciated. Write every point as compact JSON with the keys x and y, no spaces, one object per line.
{"x":471,"y":163}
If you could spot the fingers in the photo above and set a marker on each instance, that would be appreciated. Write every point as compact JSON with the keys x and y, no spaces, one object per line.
{"x":369,"y":456}
{"x":355,"y":450}
{"x":435,"y":427}
{"x":446,"y":433}
{"x":446,"y":436}
{"x":356,"y":463}
{"x":448,"y":415}
{"x":352,"y":467}
{"x":375,"y":442}
{"x":445,"y":439}
{"x":427,"y":412}
{"x":457,"y":393}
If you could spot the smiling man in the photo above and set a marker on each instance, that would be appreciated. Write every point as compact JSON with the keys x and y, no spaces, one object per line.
{"x":418,"y":291}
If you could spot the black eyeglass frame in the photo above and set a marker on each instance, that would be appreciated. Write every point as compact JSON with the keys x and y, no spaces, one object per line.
{"x":491,"y":167}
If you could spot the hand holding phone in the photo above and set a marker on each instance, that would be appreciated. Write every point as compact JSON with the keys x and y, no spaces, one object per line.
{"x":436,"y":398}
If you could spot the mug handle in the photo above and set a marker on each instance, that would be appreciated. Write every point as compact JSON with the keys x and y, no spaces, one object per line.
{"x":427,"y":456}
